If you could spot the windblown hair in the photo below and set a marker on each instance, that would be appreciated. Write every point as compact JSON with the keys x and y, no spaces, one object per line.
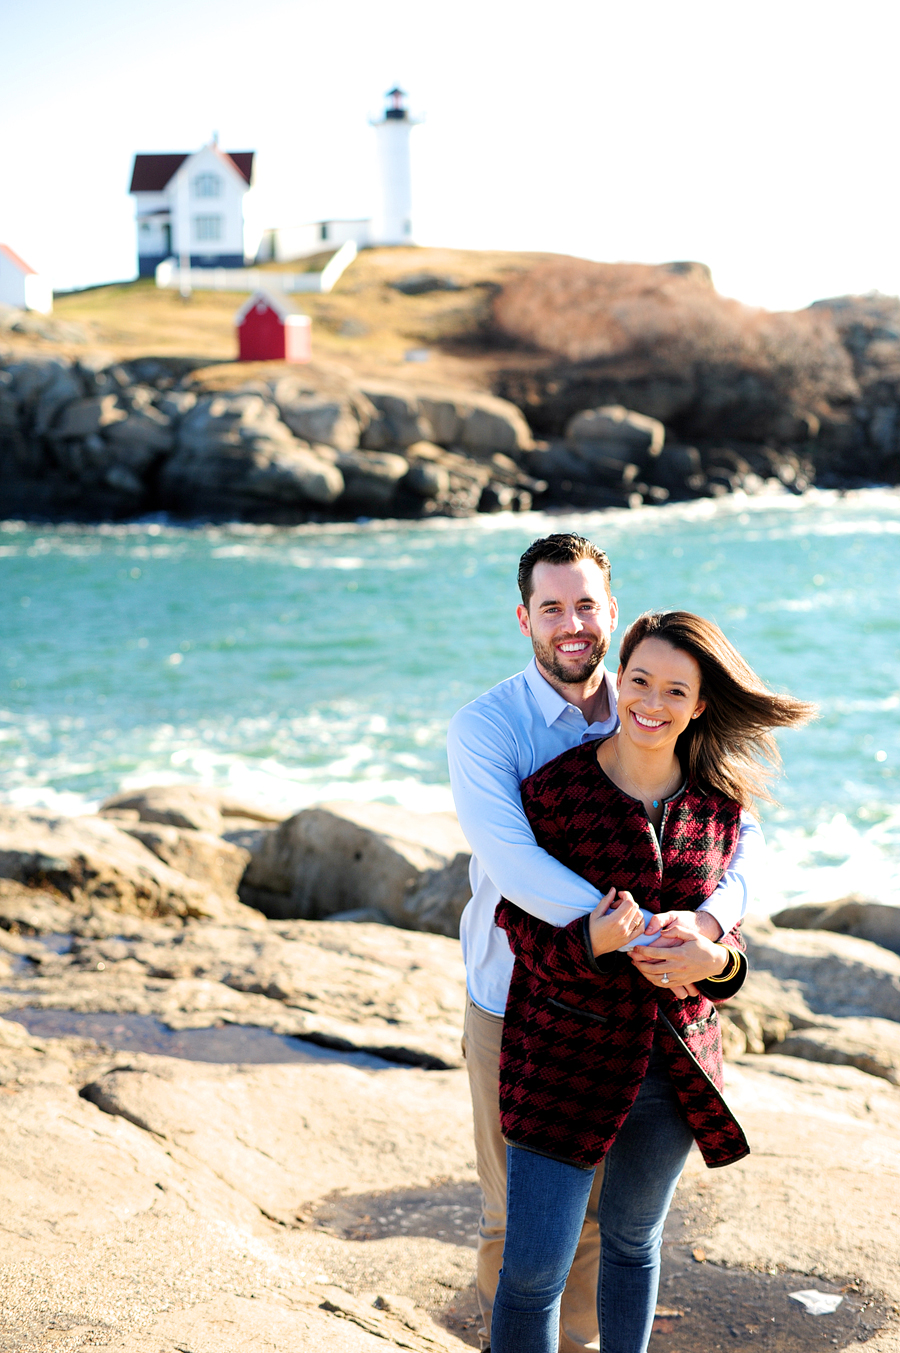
{"x":730,"y":747}
{"x":559,"y":549}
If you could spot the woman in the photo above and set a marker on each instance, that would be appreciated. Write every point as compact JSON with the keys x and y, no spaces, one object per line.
{"x":611,"y":1055}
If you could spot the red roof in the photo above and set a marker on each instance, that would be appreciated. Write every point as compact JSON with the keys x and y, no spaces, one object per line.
{"x":14,"y":258}
{"x":151,"y":173}
{"x":281,"y":306}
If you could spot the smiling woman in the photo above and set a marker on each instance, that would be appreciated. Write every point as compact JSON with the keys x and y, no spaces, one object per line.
{"x":611,"y":1055}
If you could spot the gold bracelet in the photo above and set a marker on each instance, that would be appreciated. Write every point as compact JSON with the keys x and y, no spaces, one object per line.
{"x":731,"y":968}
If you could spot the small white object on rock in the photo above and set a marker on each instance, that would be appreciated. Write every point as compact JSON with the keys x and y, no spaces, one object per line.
{"x":818,"y":1303}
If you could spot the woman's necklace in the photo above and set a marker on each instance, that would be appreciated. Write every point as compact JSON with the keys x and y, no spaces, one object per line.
{"x":637,"y":787}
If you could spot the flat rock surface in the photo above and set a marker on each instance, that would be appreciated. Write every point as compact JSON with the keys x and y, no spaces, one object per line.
{"x":288,"y":1208}
{"x":370,"y":987}
{"x":156,"y":1204}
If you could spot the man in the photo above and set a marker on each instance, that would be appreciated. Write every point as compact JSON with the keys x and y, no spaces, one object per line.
{"x":563,"y":698}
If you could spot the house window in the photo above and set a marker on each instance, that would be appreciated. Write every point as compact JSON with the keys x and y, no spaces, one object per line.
{"x":207,"y":227}
{"x":207,"y":185}
{"x":323,"y":231}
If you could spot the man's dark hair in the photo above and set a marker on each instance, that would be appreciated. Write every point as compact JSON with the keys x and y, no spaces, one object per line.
{"x":561,"y":549}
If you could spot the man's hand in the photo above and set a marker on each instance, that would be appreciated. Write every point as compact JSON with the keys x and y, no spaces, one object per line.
{"x":701,"y":921}
{"x":615,"y":920}
{"x":683,"y":953}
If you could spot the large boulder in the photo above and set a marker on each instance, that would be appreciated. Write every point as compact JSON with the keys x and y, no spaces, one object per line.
{"x":91,"y":859}
{"x":234,"y":453}
{"x":341,"y":857}
{"x":398,"y":420}
{"x":872,"y":1045}
{"x":862,"y":917}
{"x":186,"y":806}
{"x":335,"y":417}
{"x":832,"y":974}
{"x":371,"y":479}
{"x":617,"y":433}
{"x":479,"y":424}
{"x":201,"y":856}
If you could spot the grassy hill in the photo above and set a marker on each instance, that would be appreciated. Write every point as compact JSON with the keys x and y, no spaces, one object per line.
{"x":364,"y":323}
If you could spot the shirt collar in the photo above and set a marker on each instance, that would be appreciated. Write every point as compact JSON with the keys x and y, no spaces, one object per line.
{"x":552,"y":704}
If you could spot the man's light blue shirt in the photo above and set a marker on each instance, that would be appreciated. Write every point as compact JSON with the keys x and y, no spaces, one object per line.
{"x":493,"y":744}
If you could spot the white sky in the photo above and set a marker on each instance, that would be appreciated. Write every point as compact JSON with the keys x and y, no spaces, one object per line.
{"x":759,"y":137}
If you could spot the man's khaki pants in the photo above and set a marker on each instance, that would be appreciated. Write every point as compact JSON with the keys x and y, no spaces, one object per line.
{"x":578,"y":1313}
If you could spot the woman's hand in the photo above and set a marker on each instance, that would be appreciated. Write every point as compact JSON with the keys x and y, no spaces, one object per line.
{"x":615,"y":920}
{"x":701,"y":922}
{"x":683,"y":955}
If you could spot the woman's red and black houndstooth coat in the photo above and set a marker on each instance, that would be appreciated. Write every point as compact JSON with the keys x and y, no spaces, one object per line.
{"x":578,"y":1030}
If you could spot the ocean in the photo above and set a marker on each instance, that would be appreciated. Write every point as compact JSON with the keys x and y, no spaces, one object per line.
{"x":299,"y":664}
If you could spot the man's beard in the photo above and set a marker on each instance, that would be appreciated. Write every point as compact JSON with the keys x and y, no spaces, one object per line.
{"x":571,"y":676}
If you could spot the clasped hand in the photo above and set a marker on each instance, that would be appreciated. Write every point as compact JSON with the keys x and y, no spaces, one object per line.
{"x":685,"y":951}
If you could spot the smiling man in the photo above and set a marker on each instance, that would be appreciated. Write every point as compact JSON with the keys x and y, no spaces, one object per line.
{"x":564,"y":697}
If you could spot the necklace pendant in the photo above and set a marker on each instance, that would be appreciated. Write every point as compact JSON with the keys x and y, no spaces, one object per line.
{"x":656,"y":803}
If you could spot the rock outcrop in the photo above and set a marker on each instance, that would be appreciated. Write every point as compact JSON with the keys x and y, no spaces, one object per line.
{"x":326,"y":1206}
{"x":411,"y":868}
{"x":659,"y":339}
{"x":90,"y":860}
{"x":863,"y":917}
{"x":87,"y":440}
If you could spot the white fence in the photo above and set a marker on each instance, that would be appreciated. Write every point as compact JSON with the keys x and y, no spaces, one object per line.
{"x":171,"y":277}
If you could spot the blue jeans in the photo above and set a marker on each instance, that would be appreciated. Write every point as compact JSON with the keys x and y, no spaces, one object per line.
{"x":546,"y":1202}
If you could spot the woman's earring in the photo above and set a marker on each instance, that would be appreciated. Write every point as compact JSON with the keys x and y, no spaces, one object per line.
{"x":696,"y":716}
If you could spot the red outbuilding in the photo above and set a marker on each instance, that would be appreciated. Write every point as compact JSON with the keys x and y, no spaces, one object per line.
{"x":269,"y":330}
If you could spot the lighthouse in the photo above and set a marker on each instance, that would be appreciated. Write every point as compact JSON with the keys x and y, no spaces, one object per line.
{"x":392,"y":221}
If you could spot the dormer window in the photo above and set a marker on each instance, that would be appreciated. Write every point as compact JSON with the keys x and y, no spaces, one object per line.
{"x":207,"y":185}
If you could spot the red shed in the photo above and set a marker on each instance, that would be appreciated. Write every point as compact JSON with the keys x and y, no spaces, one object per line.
{"x":270,"y":330}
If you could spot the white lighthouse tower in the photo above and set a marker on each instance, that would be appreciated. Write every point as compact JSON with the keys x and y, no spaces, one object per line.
{"x":392,"y":220}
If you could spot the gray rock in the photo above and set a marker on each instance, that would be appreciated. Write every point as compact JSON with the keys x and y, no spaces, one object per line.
{"x":200,"y":855}
{"x":862,"y":917}
{"x":315,"y":417}
{"x":169,"y":1252}
{"x":234,"y":453}
{"x":176,"y":403}
{"x":141,"y":436}
{"x":427,"y":480}
{"x":123,"y":480}
{"x":89,"y":859}
{"x":872,"y":1045}
{"x":341,"y":856}
{"x":489,"y":424}
{"x":63,"y":388}
{"x":185,"y":806}
{"x":398,"y":421}
{"x":833,"y":974}
{"x":617,"y":432}
{"x":370,"y":479}
{"x":31,"y":911}
{"x":82,"y":417}
{"x":443,"y":417}
{"x":292,"y":474}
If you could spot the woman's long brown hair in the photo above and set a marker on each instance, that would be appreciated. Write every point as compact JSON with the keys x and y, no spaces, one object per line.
{"x":730,"y":747}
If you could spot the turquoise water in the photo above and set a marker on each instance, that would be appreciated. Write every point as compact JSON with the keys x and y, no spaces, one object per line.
{"x":300,"y":664}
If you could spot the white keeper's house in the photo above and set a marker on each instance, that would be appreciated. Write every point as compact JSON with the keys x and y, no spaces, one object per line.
{"x":192,"y":206}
